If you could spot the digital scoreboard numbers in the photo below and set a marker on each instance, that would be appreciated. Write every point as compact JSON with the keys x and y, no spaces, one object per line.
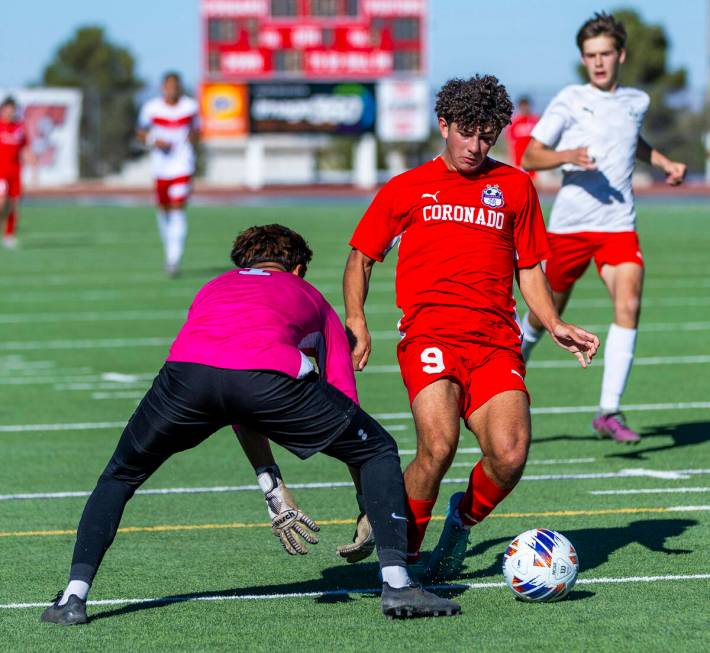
{"x":312,"y":39}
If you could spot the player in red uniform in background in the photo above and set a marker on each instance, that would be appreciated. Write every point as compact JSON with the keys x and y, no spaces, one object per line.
{"x":13,"y":144}
{"x":518,"y":132}
{"x":466,"y":226}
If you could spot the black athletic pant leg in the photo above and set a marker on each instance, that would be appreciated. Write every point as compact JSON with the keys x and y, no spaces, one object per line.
{"x":366,"y":445}
{"x":173,"y":416}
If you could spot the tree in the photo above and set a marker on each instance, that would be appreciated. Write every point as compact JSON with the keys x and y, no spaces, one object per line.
{"x":671,"y":127}
{"x":106,"y":75}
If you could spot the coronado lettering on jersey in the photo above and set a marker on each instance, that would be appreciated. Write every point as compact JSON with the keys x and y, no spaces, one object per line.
{"x":466,"y":214}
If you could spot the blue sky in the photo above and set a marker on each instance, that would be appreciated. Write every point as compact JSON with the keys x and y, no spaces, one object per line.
{"x":528,"y":44}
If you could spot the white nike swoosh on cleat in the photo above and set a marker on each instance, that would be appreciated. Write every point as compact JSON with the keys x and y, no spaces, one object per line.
{"x":398,"y":517}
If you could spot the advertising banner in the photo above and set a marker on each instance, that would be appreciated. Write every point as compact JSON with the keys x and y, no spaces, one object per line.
{"x":51,"y":117}
{"x":348,"y":108}
{"x":404,"y":113}
{"x":224,"y":110}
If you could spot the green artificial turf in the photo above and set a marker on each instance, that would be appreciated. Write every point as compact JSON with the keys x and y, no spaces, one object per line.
{"x":85,"y":296}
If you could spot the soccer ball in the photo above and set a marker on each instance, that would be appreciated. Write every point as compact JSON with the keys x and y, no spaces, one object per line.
{"x":540,"y":565}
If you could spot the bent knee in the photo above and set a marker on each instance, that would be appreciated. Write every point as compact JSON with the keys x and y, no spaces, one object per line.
{"x":628,"y":307}
{"x":437,"y":455}
{"x":508,"y":463}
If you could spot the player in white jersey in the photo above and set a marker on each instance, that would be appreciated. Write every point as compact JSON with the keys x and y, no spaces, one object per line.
{"x":169,"y":125}
{"x":592,"y":132}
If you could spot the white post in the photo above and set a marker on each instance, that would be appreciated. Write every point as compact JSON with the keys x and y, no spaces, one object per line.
{"x":255,"y":163}
{"x":365,"y":162}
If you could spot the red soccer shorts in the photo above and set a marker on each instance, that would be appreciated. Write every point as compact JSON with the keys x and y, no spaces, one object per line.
{"x":570,"y":254}
{"x":173,"y":191}
{"x":480,"y":370}
{"x":10,"y":186}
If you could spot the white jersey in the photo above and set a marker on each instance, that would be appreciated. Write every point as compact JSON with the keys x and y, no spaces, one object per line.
{"x":171,"y":123}
{"x":608,"y":124}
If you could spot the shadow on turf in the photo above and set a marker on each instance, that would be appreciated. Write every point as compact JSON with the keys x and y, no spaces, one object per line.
{"x":684,"y":434}
{"x":338,"y":582}
{"x":595,"y":545}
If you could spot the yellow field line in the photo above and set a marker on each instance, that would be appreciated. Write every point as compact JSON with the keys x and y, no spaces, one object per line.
{"x":167,"y":528}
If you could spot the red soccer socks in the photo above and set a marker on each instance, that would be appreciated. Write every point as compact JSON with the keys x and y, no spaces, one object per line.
{"x":418,"y":518}
{"x":482,"y":495}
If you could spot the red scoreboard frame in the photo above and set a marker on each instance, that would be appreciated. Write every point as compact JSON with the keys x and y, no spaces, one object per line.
{"x":312,"y":39}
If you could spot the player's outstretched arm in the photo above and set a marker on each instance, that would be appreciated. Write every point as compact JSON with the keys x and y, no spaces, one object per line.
{"x":674,"y":170}
{"x":539,"y":156}
{"x":538,"y":296}
{"x":356,"y":281}
{"x":291,"y":525}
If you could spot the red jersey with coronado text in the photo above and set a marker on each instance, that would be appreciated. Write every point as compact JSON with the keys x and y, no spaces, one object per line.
{"x":13,"y":138}
{"x":460,"y":241}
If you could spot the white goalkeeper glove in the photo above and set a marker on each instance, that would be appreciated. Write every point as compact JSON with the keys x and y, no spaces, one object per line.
{"x":288,"y":523}
{"x":363,"y":543}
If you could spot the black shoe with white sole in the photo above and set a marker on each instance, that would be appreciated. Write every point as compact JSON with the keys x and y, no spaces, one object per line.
{"x":73,"y":612}
{"x":414,"y":601}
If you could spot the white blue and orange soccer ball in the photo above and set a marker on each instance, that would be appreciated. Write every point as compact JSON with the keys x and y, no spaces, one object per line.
{"x":540,"y":565}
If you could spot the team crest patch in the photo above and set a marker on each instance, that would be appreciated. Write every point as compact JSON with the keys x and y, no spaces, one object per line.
{"x":492,"y":196}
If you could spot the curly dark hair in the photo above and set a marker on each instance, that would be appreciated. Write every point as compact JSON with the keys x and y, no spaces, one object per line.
{"x":271,"y":243}
{"x":481,"y":101}
{"x":602,"y":24}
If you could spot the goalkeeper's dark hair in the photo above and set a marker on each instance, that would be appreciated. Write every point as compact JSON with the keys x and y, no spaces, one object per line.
{"x":479,"y":102}
{"x":602,"y":24}
{"x":271,"y":243}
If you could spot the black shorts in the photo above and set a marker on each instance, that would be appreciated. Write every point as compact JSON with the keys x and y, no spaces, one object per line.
{"x":189,"y":402}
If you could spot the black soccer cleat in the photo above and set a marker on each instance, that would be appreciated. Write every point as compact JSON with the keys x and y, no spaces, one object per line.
{"x":413,"y":601}
{"x":73,"y":612}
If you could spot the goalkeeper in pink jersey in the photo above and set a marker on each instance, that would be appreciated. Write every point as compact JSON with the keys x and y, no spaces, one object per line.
{"x":239,"y":359}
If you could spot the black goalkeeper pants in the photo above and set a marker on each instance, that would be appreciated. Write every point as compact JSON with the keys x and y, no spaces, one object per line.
{"x":188,"y":402}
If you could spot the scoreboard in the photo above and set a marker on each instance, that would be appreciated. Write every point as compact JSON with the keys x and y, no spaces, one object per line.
{"x":270,"y":40}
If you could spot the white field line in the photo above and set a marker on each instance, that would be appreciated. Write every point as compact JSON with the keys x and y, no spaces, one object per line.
{"x":657,"y":327}
{"x":656,"y":490}
{"x":330,"y":485}
{"x":120,"y":343}
{"x":376,"y":309}
{"x":99,"y":343}
{"x":41,"y":296}
{"x":344,"y":591}
{"x":548,"y":461}
{"x":549,"y":410}
{"x":411,"y":452}
{"x":695,"y":359}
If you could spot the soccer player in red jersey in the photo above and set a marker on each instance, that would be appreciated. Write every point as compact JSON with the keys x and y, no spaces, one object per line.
{"x":13,"y":144}
{"x":467,"y":225}
{"x":518,"y":132}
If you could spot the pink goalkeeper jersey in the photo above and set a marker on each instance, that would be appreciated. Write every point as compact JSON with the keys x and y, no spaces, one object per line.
{"x":251,"y":319}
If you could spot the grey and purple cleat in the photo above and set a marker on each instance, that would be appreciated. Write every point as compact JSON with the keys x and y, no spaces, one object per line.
{"x":613,"y":425}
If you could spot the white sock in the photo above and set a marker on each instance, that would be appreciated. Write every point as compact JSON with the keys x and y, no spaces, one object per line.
{"x":396,"y":577}
{"x":530,"y":337}
{"x":77,"y":588}
{"x":618,"y":357}
{"x":162,"y":216}
{"x":176,"y":233}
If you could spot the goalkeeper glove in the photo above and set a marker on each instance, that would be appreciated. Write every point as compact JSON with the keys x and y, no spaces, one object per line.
{"x":288,"y":523}
{"x":363,"y":543}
